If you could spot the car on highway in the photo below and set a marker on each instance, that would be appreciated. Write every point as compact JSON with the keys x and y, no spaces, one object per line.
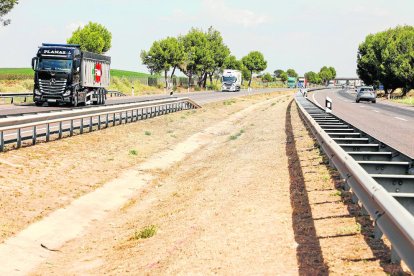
{"x":366,"y":93}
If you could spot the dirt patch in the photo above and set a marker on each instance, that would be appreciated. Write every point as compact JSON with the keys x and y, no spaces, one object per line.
{"x":37,"y":180}
{"x":223,"y":210}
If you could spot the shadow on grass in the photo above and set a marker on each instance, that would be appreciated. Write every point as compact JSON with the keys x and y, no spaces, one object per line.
{"x":379,"y":249}
{"x":308,"y":252}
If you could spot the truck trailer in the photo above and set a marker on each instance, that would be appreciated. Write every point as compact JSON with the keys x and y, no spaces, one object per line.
{"x":66,"y":74}
{"x":231,"y":80}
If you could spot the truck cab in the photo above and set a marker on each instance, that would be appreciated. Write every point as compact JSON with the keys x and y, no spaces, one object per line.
{"x":62,"y":75}
{"x":231,"y":80}
{"x":291,"y":82}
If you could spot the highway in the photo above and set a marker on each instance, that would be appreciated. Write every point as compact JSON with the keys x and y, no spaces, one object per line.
{"x":199,"y":97}
{"x":18,"y":115}
{"x":390,"y":123}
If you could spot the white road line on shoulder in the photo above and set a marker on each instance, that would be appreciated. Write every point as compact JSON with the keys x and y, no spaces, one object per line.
{"x":402,"y":119}
{"x":375,"y":110}
{"x":13,"y":107}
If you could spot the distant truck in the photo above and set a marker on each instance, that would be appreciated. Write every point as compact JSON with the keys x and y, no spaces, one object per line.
{"x":301,"y":83}
{"x":66,"y":74}
{"x":291,"y":82}
{"x":231,"y":80}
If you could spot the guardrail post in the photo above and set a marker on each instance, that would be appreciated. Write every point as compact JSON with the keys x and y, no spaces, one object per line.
{"x":90,"y":124}
{"x":19,"y":137}
{"x":81,"y":126}
{"x":346,"y":184}
{"x":107,"y":120}
{"x":99,"y":122}
{"x":60,"y":130}
{"x":354,"y":198}
{"x":12,"y":98}
{"x":47,"y":132}
{"x":71,"y":128}
{"x":364,"y":211}
{"x":113,"y":119}
{"x":1,"y":141}
{"x":395,"y":258}
{"x":377,"y":232}
{"x":34,"y":136}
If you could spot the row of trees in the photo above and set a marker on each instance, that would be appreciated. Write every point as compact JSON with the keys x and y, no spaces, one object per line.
{"x":201,"y":54}
{"x":283,"y":76}
{"x":325,"y":75}
{"x":5,"y":7}
{"x":388,"y":58}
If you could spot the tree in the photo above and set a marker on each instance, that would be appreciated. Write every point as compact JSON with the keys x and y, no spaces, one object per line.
{"x":246,"y":75}
{"x":277,"y":73}
{"x":232,"y":62}
{"x":333,"y":72}
{"x":5,"y":7}
{"x":254,"y":62}
{"x":291,"y":73}
{"x":195,"y":52}
{"x":205,"y":54}
{"x":326,"y":74}
{"x":163,"y":55}
{"x":283,"y":76}
{"x":218,"y":51}
{"x":388,"y":58}
{"x":267,"y":77}
{"x":94,"y":37}
{"x":313,"y":77}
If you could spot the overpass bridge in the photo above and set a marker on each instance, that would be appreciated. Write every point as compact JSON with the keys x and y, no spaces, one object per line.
{"x":348,"y":81}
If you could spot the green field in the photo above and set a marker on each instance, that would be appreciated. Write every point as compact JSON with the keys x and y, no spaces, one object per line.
{"x":129,"y":74}
{"x":27,"y":73}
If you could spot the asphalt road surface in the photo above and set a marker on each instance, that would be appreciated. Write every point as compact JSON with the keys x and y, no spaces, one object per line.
{"x":199,"y":97}
{"x":390,"y":123}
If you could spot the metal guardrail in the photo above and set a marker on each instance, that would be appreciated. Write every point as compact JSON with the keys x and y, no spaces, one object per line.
{"x":101,"y":118}
{"x":115,"y":93}
{"x":12,"y":96}
{"x":28,"y":95}
{"x":380,"y":178}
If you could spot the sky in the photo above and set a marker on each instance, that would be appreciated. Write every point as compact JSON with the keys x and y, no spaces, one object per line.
{"x":300,"y":34}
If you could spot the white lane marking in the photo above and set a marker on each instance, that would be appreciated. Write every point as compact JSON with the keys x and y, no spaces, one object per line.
{"x":375,"y":110}
{"x":362,"y":106}
{"x":315,"y":101}
{"x":402,"y":119}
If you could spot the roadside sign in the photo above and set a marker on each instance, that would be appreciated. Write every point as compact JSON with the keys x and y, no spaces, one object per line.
{"x":328,"y":105}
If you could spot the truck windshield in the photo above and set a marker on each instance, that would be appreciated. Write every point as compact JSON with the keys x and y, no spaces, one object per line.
{"x":55,"y":64}
{"x":229,"y":79}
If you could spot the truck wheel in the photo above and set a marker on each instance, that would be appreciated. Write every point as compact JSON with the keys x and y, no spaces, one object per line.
{"x":100,"y":97}
{"x":38,"y":103}
{"x":103,"y":97}
{"x":75,"y":100}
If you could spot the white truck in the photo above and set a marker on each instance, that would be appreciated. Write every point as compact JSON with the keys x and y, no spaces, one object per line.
{"x":231,"y":80}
